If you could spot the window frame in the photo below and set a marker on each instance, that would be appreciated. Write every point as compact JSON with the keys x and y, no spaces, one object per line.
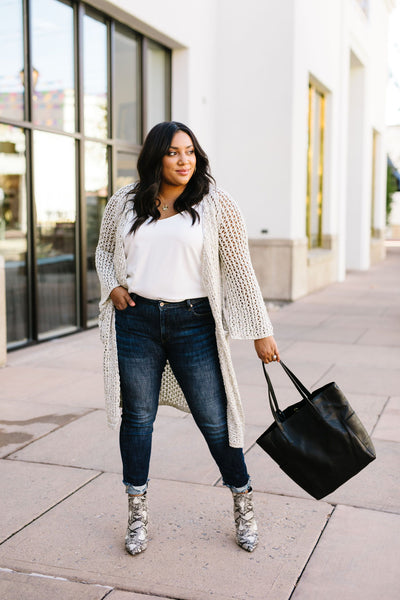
{"x":113,"y":145}
{"x":314,"y":90}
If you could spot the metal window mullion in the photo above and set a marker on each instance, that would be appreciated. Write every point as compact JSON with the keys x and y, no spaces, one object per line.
{"x":15,"y":123}
{"x":27,"y":54}
{"x":31,"y":259}
{"x":110,"y":80}
{"x":80,"y":237}
{"x":143,"y":78}
{"x":30,"y":125}
{"x":112,"y":168}
{"x":78,"y":70}
{"x":32,"y":266}
{"x":168,"y":84}
{"x":30,"y":251}
{"x":80,"y":227}
{"x":111,"y":150}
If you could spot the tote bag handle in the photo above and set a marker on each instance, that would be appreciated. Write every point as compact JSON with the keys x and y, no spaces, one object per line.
{"x":303,"y":391}
{"x":273,"y":402}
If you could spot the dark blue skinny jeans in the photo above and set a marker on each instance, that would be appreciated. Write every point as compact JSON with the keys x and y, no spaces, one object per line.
{"x":149,"y":334}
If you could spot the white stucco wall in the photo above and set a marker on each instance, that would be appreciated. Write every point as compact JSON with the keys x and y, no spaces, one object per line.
{"x":367,"y":40}
{"x":255,"y":58}
{"x":379,"y":80}
{"x":317,"y":57}
{"x":240,"y":80}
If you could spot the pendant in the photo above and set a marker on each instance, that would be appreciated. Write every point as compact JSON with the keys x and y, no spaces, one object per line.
{"x":165,"y":207}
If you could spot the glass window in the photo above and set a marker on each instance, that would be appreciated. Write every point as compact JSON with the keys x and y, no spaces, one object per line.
{"x":96,"y":192}
{"x":41,"y":208}
{"x":127,"y":91}
{"x":157,"y":84}
{"x":126,"y":169}
{"x":11,"y":60}
{"x":95,"y":77}
{"x":53,"y":64}
{"x":315,"y":166}
{"x":54,"y":179}
{"x":13,"y":230}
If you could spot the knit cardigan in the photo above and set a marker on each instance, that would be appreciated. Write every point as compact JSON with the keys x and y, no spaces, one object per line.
{"x":228,"y":278}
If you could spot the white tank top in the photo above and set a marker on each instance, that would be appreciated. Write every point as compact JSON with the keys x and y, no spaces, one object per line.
{"x":164,"y":257}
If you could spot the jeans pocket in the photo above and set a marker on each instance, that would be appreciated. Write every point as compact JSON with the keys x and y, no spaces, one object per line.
{"x":201,"y":308}
{"x":121,"y":310}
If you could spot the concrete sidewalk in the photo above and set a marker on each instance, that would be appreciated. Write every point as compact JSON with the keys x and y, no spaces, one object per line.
{"x":63,"y":509}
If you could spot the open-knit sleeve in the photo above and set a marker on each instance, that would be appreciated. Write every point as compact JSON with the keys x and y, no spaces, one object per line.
{"x":106,"y":244}
{"x":244,"y":309}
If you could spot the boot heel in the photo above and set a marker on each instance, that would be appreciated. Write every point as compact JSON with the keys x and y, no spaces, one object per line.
{"x":136,"y":537}
{"x":246,"y":526}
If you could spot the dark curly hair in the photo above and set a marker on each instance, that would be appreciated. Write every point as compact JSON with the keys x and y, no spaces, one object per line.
{"x":149,"y":166}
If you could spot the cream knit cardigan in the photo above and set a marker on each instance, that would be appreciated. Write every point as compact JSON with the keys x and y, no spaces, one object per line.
{"x":228,"y":278}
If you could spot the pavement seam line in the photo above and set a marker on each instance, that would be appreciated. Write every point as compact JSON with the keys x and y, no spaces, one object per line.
{"x":324,"y":374}
{"x":145,"y":594}
{"x":90,"y":411}
{"x":330,"y":502}
{"x":98,"y":474}
{"x":379,"y":416}
{"x":50,"y":464}
{"x":56,"y":578}
{"x":312,"y":552}
{"x":53,"y":577}
{"x":360,"y":336}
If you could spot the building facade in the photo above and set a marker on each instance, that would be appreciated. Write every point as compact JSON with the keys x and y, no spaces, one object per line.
{"x":287,"y":98}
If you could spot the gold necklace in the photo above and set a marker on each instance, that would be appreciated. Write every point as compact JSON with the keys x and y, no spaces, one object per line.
{"x":165,"y":207}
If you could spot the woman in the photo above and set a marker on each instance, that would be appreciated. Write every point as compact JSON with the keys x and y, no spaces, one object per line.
{"x":176,"y":279}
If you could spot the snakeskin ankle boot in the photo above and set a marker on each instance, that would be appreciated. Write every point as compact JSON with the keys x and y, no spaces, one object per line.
{"x":246,"y":526}
{"x":136,"y":534}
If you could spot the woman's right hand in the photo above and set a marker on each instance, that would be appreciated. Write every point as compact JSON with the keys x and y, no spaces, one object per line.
{"x":120,"y":298}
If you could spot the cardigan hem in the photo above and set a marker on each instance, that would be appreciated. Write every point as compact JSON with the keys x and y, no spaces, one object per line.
{"x":227,"y":274}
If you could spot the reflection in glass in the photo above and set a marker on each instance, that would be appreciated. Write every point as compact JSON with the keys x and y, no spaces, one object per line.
{"x":127,"y":87}
{"x":54,"y":179}
{"x":13,"y":226}
{"x":315,"y":167}
{"x":96,"y":192}
{"x":126,"y":169}
{"x":11,"y":60}
{"x":53,"y":59}
{"x":158,"y":83}
{"x":95,"y":77}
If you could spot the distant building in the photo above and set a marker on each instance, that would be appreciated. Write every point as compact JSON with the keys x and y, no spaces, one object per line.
{"x":287,"y":98}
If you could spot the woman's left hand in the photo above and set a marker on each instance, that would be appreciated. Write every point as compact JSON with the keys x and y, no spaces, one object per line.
{"x":267,"y":349}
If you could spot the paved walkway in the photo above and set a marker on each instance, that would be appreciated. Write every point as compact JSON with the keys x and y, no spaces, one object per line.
{"x":63,"y":510}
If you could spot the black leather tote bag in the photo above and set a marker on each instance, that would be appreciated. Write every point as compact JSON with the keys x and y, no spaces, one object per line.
{"x":319,"y":442}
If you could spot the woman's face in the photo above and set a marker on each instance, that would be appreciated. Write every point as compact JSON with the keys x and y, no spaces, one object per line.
{"x":179,"y":163}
